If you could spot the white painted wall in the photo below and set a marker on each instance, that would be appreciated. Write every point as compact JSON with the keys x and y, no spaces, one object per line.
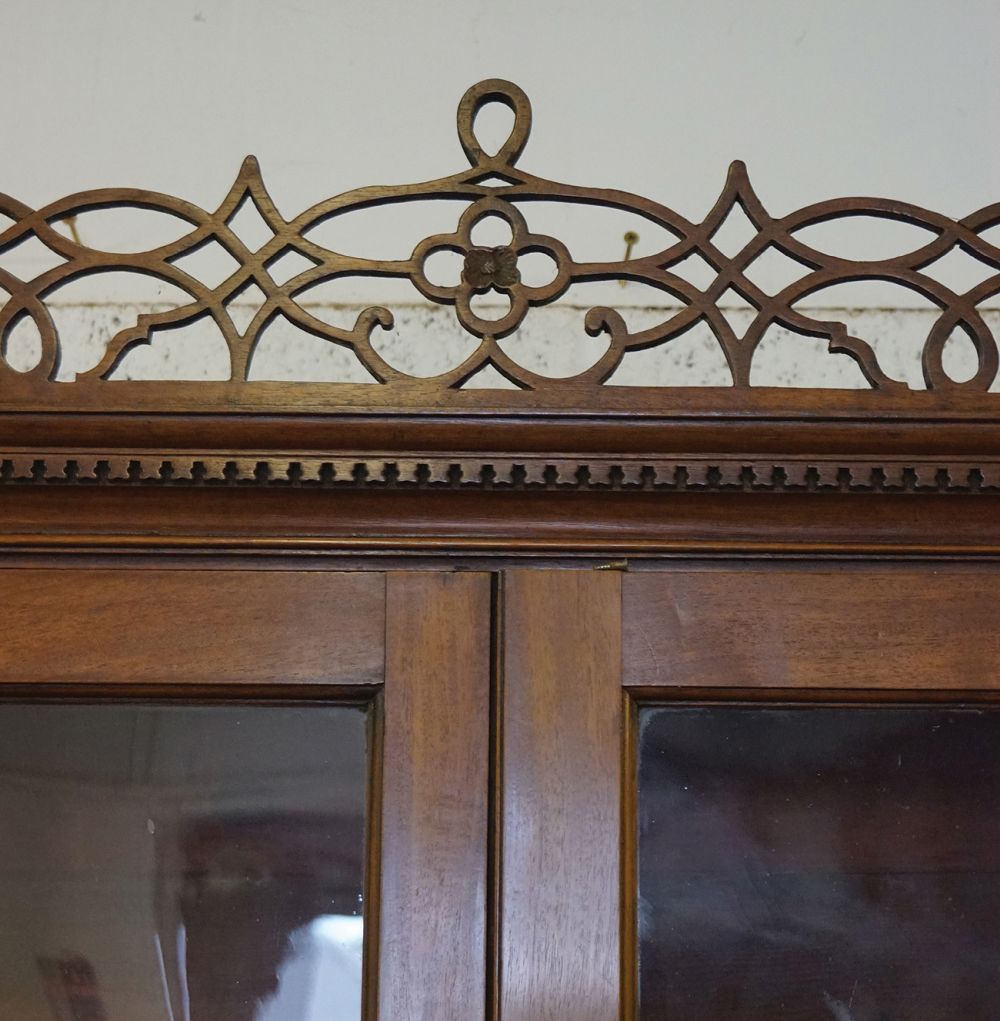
{"x":890,"y":97}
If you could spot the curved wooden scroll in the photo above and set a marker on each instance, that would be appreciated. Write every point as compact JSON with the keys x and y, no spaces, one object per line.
{"x":493,"y":186}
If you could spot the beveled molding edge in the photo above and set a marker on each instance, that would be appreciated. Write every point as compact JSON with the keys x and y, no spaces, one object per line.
{"x":677,"y":474}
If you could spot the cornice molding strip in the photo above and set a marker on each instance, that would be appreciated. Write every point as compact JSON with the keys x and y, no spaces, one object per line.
{"x":635,"y":476}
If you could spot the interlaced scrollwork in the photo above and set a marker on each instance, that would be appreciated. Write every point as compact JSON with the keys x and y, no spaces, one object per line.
{"x":495,"y":186}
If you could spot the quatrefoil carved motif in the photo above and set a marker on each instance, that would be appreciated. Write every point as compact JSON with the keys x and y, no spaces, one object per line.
{"x":493,"y":268}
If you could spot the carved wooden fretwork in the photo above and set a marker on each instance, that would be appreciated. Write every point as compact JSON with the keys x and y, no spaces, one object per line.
{"x":493,"y":186}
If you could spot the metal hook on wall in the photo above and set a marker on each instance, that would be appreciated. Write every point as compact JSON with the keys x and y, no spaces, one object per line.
{"x":631,"y":239}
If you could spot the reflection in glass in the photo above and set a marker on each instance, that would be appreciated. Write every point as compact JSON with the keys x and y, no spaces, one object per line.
{"x":169,"y":863}
{"x":819,"y":864}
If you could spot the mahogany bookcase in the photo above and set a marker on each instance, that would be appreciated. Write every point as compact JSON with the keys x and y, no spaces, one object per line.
{"x":509,"y":577}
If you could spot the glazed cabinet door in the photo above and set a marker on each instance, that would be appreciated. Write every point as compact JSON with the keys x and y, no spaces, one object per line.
{"x":751,"y":791}
{"x":243,"y":795}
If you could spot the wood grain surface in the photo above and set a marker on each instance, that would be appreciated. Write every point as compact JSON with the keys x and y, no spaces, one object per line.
{"x":536,"y":522}
{"x":560,"y":919}
{"x":434,"y":832}
{"x":107,"y":626}
{"x":911,"y":626}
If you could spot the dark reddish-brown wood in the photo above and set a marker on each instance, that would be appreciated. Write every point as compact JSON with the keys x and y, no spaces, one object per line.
{"x":178,"y":538}
{"x":192,"y":627}
{"x":802,"y":631}
{"x":847,"y":627}
{"x":605,"y":523}
{"x":562,"y":733}
{"x":168,"y":535}
{"x":807,"y":428}
{"x":434,"y":817}
{"x":421,"y":640}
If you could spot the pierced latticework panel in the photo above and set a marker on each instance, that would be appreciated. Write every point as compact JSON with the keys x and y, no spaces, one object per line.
{"x":269,"y":278}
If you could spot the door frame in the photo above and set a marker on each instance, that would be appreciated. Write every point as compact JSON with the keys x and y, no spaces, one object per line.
{"x":413,"y":647}
{"x":585,"y":651}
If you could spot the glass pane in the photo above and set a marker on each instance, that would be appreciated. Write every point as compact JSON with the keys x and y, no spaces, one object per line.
{"x":170,"y":863}
{"x":819,"y":864}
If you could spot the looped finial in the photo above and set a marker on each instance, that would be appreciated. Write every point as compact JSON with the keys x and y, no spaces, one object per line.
{"x":494,"y":90}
